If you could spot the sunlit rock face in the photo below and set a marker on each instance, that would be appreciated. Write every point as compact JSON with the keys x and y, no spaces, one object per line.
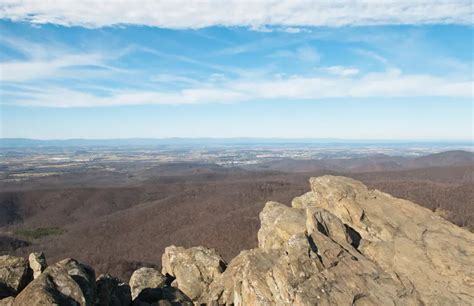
{"x":343,"y":244}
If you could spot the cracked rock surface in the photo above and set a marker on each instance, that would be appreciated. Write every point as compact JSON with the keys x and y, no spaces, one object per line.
{"x":343,"y":244}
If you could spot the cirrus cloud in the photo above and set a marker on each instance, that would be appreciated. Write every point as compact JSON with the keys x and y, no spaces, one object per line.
{"x":387,"y":84}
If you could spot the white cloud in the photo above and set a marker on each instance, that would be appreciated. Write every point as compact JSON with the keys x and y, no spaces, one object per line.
{"x":308,"y":54}
{"x":305,"y":54}
{"x":391,"y":83}
{"x":370,"y":54}
{"x":181,"y":14}
{"x":60,"y":67}
{"x":52,"y":60}
{"x":341,"y":70}
{"x":171,"y":78}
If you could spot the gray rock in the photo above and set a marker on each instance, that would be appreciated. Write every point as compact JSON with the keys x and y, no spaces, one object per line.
{"x":8,"y":301}
{"x":83,"y":275}
{"x":110,"y":291}
{"x":278,"y":223}
{"x":15,"y":274}
{"x":406,"y":240}
{"x":319,"y":219}
{"x":307,"y":270}
{"x":37,"y":263}
{"x":174,"y":296}
{"x":53,"y":287}
{"x":194,"y":269}
{"x":304,"y":201}
{"x":145,"y":282}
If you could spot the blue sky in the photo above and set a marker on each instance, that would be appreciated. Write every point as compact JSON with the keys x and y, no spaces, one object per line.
{"x":73,"y":73}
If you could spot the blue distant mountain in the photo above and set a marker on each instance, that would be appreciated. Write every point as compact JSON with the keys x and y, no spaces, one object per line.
{"x":147,"y":142}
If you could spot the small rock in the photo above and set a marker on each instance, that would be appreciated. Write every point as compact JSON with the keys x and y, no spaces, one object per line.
{"x":144,"y":282}
{"x":110,"y":291}
{"x":174,"y":296}
{"x":304,"y":201}
{"x":37,"y":263}
{"x":319,"y":219}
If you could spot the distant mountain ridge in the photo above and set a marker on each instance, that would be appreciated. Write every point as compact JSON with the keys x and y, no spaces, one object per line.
{"x":376,"y":162}
{"x":79,"y":142}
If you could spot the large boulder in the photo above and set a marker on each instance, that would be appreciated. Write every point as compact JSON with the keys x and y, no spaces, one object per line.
{"x":405,"y":239}
{"x":53,"y":287}
{"x":83,"y":275}
{"x":110,"y":291}
{"x":194,"y":269}
{"x":67,"y":282}
{"x":278,"y":223}
{"x":15,"y":274}
{"x":146,"y":282}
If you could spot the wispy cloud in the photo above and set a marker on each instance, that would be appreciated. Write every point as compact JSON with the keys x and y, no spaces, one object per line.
{"x":391,"y":83}
{"x":305,"y":54}
{"x":341,"y":70}
{"x":372,"y":55}
{"x":182,"y":14}
{"x":62,"y":67}
{"x":171,"y":78}
{"x":52,"y":60}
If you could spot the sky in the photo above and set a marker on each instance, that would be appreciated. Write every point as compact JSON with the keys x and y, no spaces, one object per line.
{"x":289,"y":69}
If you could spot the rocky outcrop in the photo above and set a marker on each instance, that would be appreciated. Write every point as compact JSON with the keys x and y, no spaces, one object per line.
{"x":339,"y":244}
{"x":343,"y":244}
{"x":310,"y":268}
{"x":70,"y":282}
{"x":408,"y":241}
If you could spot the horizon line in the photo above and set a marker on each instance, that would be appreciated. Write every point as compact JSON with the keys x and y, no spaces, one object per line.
{"x":244,"y":138}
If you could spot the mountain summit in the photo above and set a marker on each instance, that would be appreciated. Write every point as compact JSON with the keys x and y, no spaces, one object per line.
{"x":339,"y":244}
